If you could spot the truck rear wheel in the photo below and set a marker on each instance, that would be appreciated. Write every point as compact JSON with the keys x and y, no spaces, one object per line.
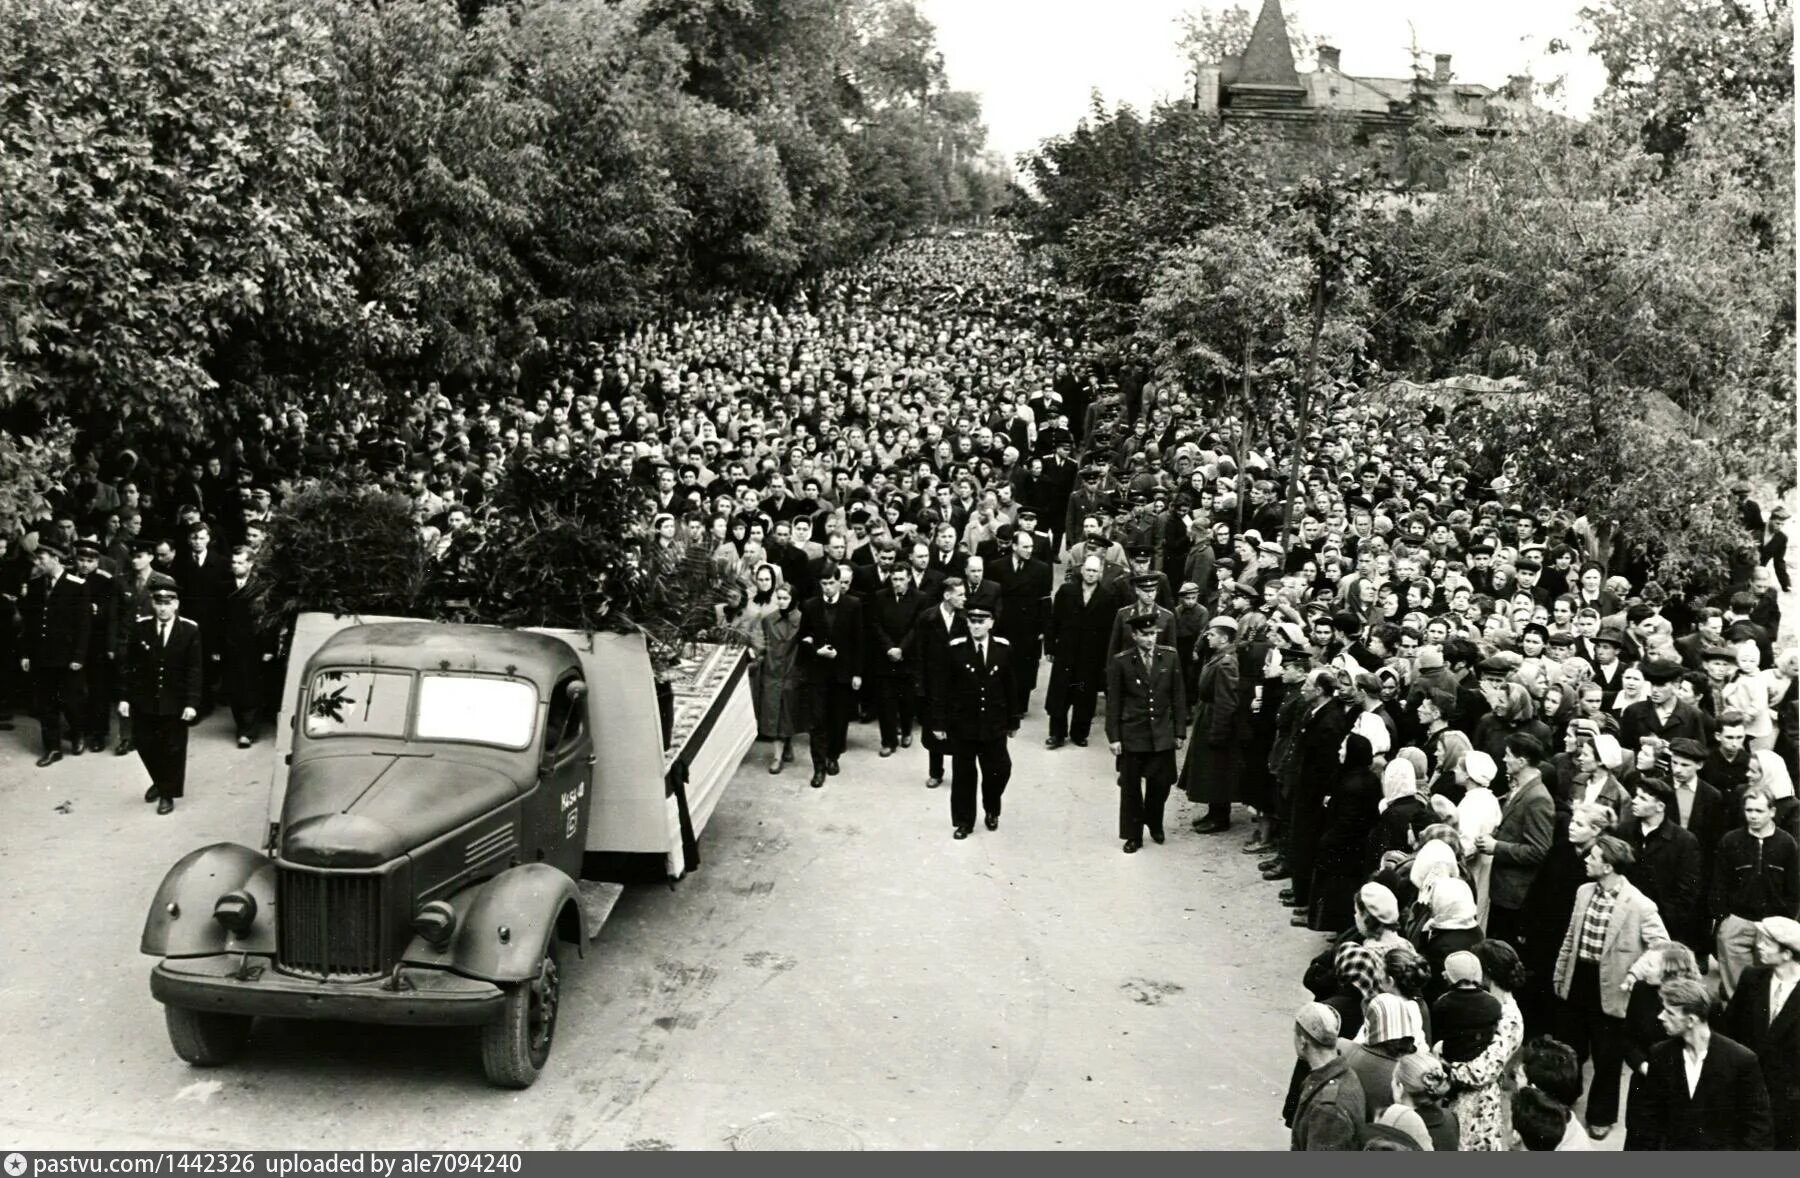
{"x":516,"y":1048}
{"x":204,"y":1039}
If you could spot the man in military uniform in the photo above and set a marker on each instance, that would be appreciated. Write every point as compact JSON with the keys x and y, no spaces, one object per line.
{"x":1146,"y":723}
{"x":972,"y":707}
{"x":100,"y":674}
{"x":1143,"y":604}
{"x":58,"y":620}
{"x":163,"y":676}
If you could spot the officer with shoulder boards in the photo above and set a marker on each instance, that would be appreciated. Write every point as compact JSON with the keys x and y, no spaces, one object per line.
{"x":974,"y":704}
{"x":1146,"y":724}
{"x":163,"y":674}
{"x":58,"y":619}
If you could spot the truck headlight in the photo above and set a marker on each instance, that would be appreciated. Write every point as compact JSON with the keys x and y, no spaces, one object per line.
{"x":436,"y":923}
{"x":236,"y":911}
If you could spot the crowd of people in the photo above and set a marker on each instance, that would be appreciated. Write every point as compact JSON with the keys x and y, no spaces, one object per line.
{"x":1543,"y":805}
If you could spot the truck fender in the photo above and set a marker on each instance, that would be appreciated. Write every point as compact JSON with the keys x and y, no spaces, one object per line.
{"x":532,"y":903}
{"x":180,"y":921}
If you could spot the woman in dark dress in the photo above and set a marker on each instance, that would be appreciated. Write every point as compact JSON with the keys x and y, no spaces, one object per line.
{"x":1343,"y":857}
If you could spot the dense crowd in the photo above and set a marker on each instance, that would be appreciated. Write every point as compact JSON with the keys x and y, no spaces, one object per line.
{"x":1543,"y":805}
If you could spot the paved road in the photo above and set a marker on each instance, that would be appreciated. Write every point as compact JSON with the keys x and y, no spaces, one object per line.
{"x":840,"y":971}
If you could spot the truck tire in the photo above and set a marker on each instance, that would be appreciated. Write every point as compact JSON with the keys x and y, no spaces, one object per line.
{"x":206,"y":1040}
{"x":516,"y":1048}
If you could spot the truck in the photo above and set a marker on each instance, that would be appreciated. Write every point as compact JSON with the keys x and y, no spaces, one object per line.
{"x":447,"y":803}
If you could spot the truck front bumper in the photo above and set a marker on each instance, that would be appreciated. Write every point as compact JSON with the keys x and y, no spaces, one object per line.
{"x":425,"y":997}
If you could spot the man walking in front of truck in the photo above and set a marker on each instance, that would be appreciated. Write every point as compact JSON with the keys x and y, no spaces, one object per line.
{"x":972,"y":706}
{"x":163,"y":678}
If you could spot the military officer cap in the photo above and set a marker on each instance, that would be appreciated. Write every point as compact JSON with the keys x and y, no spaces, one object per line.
{"x":979,"y":611}
{"x":162,"y":587}
{"x":1295,"y":654}
{"x":147,"y":547}
{"x":1661,"y":670}
{"x":1146,"y":581}
{"x":1138,"y":552}
{"x":1026,"y":513}
{"x":86,"y":546}
{"x":53,"y":548}
{"x":1144,"y":623}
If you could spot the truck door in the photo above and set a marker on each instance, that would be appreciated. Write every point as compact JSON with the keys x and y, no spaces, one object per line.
{"x":559,"y":822}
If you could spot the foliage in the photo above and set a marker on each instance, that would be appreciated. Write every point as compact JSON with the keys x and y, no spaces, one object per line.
{"x":211,"y":203}
{"x":343,"y":547}
{"x":28,"y":466}
{"x":1212,"y":33}
{"x":562,"y":544}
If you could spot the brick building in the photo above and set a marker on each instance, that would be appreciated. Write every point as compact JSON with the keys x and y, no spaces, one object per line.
{"x":1262,"y":90}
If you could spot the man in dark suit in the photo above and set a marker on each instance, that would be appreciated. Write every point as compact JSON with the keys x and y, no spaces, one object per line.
{"x":1024,"y":603}
{"x":1325,"y":724}
{"x":1664,"y":714}
{"x":249,"y":653}
{"x":134,"y":603}
{"x":1146,"y":725}
{"x":204,"y":581}
{"x":1668,"y":862}
{"x":58,"y":620}
{"x":1764,"y":1016}
{"x":162,"y":673}
{"x":99,"y":688}
{"x":831,"y":645}
{"x":1081,"y":618}
{"x":937,"y":624}
{"x":972,"y":708}
{"x":892,"y":614}
{"x":979,"y":589}
{"x":1521,"y":842}
{"x":1702,"y":1090}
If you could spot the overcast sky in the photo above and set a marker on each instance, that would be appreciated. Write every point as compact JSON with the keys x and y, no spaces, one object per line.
{"x":1034,"y":61}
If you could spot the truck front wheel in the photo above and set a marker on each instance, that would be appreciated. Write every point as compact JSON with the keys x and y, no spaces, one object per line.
{"x":206,"y":1040}
{"x":515,"y":1049}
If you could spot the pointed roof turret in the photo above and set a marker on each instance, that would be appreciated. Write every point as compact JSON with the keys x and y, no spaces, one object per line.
{"x":1268,"y":58}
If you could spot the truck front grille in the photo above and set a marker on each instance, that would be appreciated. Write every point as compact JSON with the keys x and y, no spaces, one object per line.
{"x":332,"y":924}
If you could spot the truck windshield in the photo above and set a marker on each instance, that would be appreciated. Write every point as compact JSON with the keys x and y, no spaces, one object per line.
{"x":477,"y":708}
{"x":358,"y":703}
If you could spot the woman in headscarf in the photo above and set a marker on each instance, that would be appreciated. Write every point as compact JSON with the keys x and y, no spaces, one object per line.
{"x":1342,"y":861}
{"x":1477,"y":814}
{"x":780,"y":687}
{"x":1768,"y":770}
{"x":1406,"y":974}
{"x":1482,"y":1104}
{"x":1594,"y":761}
{"x":763,"y":583}
{"x":1451,"y":927}
{"x":1453,"y":746}
{"x":1401,"y":814}
{"x":1391,"y":1030}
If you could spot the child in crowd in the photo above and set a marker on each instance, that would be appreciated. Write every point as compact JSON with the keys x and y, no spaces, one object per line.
{"x":1465,"y":1017}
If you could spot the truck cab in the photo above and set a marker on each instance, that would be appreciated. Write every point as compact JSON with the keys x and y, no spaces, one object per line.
{"x":423,"y":870}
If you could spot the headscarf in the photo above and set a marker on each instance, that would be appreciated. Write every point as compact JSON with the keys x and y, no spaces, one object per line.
{"x":1397,"y":781}
{"x":1606,"y":748}
{"x":757,"y":596}
{"x":1390,"y":1017}
{"x":1417,"y":759}
{"x":1357,"y":968}
{"x":1479,"y":768}
{"x":1436,"y":860}
{"x":1452,"y":906}
{"x":1775,"y":776}
{"x":1453,"y":746}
